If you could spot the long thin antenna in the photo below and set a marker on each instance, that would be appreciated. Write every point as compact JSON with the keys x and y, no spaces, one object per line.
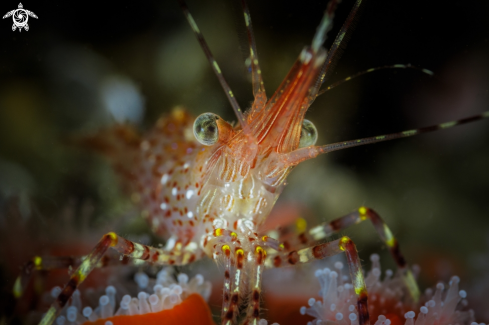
{"x":258,"y":86}
{"x":306,"y":153}
{"x":358,"y":74}
{"x":214,"y":65}
{"x":340,"y":42}
{"x":360,"y":142}
{"x":324,"y":26}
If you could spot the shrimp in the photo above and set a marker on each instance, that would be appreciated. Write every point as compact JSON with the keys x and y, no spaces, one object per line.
{"x":206,"y":185}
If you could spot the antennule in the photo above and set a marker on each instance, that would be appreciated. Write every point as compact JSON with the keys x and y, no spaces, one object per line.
{"x":361,"y":73}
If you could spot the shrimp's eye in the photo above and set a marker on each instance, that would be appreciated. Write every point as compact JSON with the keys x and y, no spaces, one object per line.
{"x":309,"y":134}
{"x":205,"y":129}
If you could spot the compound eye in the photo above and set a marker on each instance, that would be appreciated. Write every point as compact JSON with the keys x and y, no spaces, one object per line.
{"x":205,"y":129}
{"x":309,"y":134}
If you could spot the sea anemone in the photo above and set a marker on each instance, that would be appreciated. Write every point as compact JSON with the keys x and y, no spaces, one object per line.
{"x":389,"y":301}
{"x":165,"y":297}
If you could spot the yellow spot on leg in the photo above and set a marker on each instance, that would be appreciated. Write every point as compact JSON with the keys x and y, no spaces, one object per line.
{"x":301,"y":225}
{"x":363,"y":213}
{"x":390,"y":240}
{"x":113,"y":238}
{"x":344,"y":241}
{"x":260,"y":250}
{"x":225,"y":249}
{"x":359,"y":284}
{"x":38,"y":262}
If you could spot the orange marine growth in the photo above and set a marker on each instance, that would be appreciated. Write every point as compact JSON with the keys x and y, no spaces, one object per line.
{"x":193,"y":310}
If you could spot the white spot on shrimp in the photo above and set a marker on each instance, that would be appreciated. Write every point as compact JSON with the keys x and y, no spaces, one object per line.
{"x":165,"y":178}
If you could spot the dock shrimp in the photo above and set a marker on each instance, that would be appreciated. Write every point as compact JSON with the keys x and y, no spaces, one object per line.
{"x":206,"y":185}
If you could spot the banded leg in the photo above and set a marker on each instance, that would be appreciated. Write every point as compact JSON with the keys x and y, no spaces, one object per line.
{"x":227,"y":249}
{"x":294,"y":236}
{"x":342,"y":245}
{"x":257,"y":264}
{"x":39,"y":263}
{"x":241,"y":271}
{"x":49,"y":263}
{"x":363,"y":213}
{"x":121,"y":245}
{"x":229,"y":301}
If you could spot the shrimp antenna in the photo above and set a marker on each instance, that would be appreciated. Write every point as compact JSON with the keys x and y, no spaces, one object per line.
{"x":214,"y":65}
{"x":257,"y":80}
{"x":340,"y":41}
{"x":302,"y":154}
{"x":361,"y":73}
{"x":360,"y":142}
{"x":324,"y":26}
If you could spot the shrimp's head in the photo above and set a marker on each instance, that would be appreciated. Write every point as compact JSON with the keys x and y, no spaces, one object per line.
{"x":251,"y":162}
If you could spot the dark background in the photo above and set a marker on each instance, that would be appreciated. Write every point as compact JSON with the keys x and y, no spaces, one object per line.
{"x":432,"y":189}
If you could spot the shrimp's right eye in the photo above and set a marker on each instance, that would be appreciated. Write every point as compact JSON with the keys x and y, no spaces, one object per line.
{"x":309,"y":134}
{"x":205,"y":129}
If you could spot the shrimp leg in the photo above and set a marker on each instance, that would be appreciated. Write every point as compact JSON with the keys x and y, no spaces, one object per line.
{"x":328,"y":229}
{"x":243,"y":269}
{"x":342,"y":245}
{"x":256,"y":260}
{"x":228,"y":251}
{"x":325,"y":230}
{"x":48,"y":263}
{"x":126,"y":247}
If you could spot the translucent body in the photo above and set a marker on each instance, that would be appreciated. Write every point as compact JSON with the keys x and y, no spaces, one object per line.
{"x":186,"y":190}
{"x":193,"y":195}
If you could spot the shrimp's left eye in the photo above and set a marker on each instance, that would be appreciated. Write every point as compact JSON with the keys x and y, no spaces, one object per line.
{"x":309,"y":134}
{"x":205,"y":129}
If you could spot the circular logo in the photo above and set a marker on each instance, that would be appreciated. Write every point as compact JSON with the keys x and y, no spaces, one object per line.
{"x":20,"y":18}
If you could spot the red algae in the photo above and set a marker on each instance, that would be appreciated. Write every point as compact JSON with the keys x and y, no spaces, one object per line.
{"x":193,"y":310}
